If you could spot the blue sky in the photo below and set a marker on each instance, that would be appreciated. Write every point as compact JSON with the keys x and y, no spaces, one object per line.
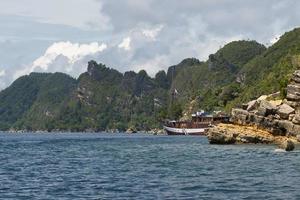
{"x":63,"y":35}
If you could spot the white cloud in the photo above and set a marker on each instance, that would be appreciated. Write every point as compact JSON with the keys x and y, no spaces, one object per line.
{"x":274,"y":39}
{"x":68,"y":52}
{"x":140,"y":34}
{"x":73,"y":52}
{"x":152,"y":66}
{"x":2,"y":73}
{"x":152,"y":33}
{"x":125,"y":44}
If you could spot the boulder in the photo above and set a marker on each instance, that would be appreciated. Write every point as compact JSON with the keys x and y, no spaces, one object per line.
{"x":291,"y":117}
{"x":276,"y":103}
{"x":244,"y":106}
{"x":252,"y":105}
{"x":295,"y":131}
{"x":266,"y":108}
{"x":274,"y":95}
{"x":284,"y":111}
{"x":237,"y":111}
{"x":296,"y":74}
{"x":276,"y":116}
{"x":296,"y":79}
{"x":248,"y":139}
{"x":293,"y":92}
{"x":239,"y":116}
{"x":286,"y":126}
{"x":293,"y":104}
{"x":298,"y":138}
{"x":262,"y":98}
{"x":296,"y":119}
{"x":131,"y":130}
{"x":217,"y":136}
{"x":287,"y":145}
{"x":254,"y":139}
{"x":256,"y":119}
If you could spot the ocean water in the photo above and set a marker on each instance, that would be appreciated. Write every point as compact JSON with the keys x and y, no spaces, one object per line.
{"x":104,"y":166}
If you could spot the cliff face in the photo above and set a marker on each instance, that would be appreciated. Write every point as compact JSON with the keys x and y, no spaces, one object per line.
{"x":265,"y":118}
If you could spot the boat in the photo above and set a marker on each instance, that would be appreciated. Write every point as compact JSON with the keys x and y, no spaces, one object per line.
{"x":198,"y":125}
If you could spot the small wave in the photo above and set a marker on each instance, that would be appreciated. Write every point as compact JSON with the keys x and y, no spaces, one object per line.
{"x":279,"y":150}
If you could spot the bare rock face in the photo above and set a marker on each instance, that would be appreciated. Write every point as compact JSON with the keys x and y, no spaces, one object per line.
{"x":298,"y":138}
{"x":296,"y":119}
{"x":239,"y":116}
{"x":252,"y":105}
{"x":218,"y":136}
{"x":266,"y":108}
{"x":293,"y":92}
{"x":230,"y":134}
{"x":287,"y":145}
{"x":284,"y":111}
{"x":296,"y":76}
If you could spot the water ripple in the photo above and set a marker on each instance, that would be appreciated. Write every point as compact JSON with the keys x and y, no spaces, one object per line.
{"x":102,"y":166}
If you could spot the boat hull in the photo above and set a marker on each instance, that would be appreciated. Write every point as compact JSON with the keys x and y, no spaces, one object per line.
{"x":184,"y":131}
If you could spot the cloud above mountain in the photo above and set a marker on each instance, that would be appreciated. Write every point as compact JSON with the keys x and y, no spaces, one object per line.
{"x":49,"y":36}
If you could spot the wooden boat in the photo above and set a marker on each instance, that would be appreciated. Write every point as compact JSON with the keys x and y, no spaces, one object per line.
{"x":197,"y":126}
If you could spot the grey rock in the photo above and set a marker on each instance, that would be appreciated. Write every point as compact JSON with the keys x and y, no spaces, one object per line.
{"x":296,"y":73}
{"x":293,"y":92}
{"x":249,"y":139}
{"x":276,"y":116}
{"x":298,"y":138}
{"x":293,"y":104}
{"x":237,"y":111}
{"x":244,"y":106}
{"x":286,"y":126}
{"x":295,"y":130}
{"x":254,"y":139}
{"x":274,"y":95}
{"x":296,"y":79}
{"x":284,"y":111}
{"x":287,"y":145}
{"x":220,"y":137}
{"x":296,"y":119}
{"x":256,"y":119}
{"x":266,"y":108}
{"x":291,"y":117}
{"x":252,"y":105}
{"x":239,"y":116}
{"x":293,"y":97}
{"x":293,"y":88}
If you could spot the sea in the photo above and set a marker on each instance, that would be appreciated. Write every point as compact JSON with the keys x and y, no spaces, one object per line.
{"x":139,"y":166}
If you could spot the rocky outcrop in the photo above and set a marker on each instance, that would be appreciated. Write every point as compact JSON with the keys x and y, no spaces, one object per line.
{"x":231,"y":134}
{"x":267,"y":119}
{"x":284,"y":111}
{"x":221,"y":136}
{"x":268,"y":112}
{"x":287,"y":145}
{"x":293,"y":90}
{"x":131,"y":130}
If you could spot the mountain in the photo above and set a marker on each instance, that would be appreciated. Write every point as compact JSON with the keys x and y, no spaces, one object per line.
{"x":211,"y":84}
{"x":103,"y":98}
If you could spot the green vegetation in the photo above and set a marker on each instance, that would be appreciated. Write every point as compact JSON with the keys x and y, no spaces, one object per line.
{"x":103,"y":98}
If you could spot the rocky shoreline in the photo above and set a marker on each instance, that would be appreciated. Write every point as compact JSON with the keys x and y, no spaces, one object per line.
{"x":268,"y":119}
{"x":239,"y":134}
